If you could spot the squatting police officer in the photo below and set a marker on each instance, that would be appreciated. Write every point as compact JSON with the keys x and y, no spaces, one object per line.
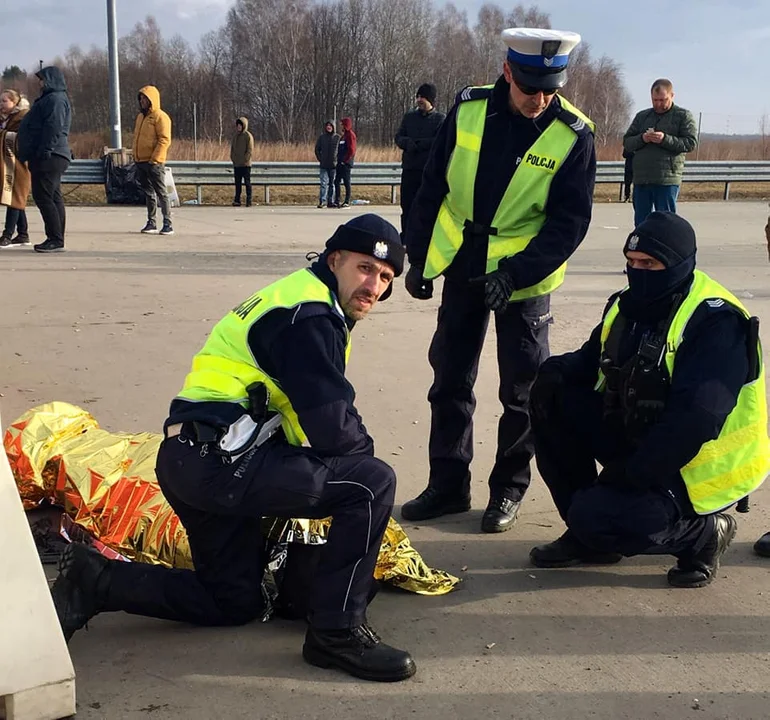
{"x":668,"y":394}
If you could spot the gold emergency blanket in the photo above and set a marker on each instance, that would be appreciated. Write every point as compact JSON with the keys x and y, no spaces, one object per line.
{"x":106,"y":483}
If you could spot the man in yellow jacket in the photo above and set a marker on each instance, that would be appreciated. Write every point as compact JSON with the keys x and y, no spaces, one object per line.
{"x":668,"y":394}
{"x":152,"y":138}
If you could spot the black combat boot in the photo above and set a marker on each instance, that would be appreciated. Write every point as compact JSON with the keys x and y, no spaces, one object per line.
{"x":358,"y":651}
{"x":762,"y":546}
{"x":567,"y":551}
{"x":434,"y":502}
{"x":699,"y":570}
{"x":500,"y":515}
{"x":80,"y":590}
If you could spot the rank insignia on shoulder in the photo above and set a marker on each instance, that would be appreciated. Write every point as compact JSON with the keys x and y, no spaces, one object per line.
{"x":473,"y":93}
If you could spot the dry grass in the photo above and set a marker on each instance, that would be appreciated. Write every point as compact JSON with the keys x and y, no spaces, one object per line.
{"x":91,"y":145}
{"x":725,"y":148}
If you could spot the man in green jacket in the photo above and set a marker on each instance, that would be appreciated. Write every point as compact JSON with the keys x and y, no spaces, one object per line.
{"x":659,"y":137}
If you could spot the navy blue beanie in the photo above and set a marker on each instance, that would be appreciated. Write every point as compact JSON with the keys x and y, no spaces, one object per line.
{"x":370,"y":235}
{"x":666,"y":236}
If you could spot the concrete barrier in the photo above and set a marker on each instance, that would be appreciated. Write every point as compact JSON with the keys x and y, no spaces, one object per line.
{"x":37,"y":680}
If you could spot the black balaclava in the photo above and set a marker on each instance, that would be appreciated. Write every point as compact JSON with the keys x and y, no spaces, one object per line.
{"x":670,"y":239}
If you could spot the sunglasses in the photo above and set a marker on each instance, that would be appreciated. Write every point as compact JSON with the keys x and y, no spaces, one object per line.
{"x":529,"y":90}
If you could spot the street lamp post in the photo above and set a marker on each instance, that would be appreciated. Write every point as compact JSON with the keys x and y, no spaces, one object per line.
{"x":116,"y":140}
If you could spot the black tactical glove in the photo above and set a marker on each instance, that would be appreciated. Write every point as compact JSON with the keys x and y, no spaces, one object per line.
{"x":498,"y":287}
{"x":545,"y":391}
{"x":417,"y":286}
{"x":613,"y":474}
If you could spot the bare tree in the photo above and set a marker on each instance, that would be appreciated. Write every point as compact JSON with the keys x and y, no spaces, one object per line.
{"x":398,"y":58}
{"x":452,"y":56}
{"x":531,"y":16}
{"x":288,"y":65}
{"x":489,"y":46}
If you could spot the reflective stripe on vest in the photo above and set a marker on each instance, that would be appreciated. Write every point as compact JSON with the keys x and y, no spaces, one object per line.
{"x":521,"y":212}
{"x":738,"y":460}
{"x":225,"y":366}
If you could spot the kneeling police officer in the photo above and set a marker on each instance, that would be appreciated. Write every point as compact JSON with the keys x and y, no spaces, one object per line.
{"x":279,"y":356}
{"x":668,"y":394}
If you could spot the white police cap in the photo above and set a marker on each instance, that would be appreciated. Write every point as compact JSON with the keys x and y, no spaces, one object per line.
{"x":539,"y":57}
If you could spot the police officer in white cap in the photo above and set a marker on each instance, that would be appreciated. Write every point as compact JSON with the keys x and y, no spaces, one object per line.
{"x":505,"y":200}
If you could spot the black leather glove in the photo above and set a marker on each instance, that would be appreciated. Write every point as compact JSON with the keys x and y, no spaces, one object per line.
{"x":545,"y":391}
{"x":416,"y":285}
{"x":498,"y":287}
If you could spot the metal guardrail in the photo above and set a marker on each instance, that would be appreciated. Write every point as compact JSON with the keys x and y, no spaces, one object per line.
{"x":267,"y":174}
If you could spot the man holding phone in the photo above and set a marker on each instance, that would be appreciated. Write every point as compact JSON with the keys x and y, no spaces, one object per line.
{"x":659,"y":137}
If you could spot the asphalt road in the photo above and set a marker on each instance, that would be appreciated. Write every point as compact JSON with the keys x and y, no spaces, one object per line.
{"x":111,"y":325}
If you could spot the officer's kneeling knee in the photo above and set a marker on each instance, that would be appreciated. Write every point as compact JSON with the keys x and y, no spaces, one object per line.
{"x":378,"y":476}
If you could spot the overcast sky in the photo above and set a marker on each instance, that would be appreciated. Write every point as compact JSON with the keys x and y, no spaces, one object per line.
{"x":714,"y":51}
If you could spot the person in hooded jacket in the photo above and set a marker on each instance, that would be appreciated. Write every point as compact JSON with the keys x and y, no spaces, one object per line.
{"x":43,"y":144}
{"x":668,"y":395}
{"x":241,"y":149}
{"x":152,"y":139}
{"x":13,"y":108}
{"x":326,"y":148}
{"x":279,"y":356}
{"x":346,"y":154}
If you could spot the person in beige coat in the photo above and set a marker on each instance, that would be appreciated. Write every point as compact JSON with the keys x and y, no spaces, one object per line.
{"x":13,"y":107}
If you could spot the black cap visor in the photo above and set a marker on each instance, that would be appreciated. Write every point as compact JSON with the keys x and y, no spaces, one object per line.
{"x":543,"y":79}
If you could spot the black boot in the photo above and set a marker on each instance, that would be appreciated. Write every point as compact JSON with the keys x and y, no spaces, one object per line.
{"x":433,"y":502}
{"x":80,"y":590}
{"x":567,"y":551}
{"x":699,"y":570}
{"x":762,"y":546}
{"x":359,"y":652}
{"x":500,"y":515}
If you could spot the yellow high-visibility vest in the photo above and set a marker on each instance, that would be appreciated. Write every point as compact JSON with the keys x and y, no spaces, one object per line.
{"x":521,"y":212}
{"x":225,"y":366}
{"x":737,"y":462}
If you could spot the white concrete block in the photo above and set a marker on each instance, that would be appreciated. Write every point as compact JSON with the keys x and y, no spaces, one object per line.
{"x":37,"y":680}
